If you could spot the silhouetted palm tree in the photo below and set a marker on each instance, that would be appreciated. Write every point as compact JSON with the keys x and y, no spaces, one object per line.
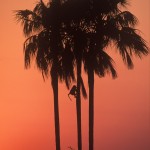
{"x":79,"y":40}
{"x":77,"y":43}
{"x":109,"y":25}
{"x":100,"y":63}
{"x":45,"y":43}
{"x":76,"y":40}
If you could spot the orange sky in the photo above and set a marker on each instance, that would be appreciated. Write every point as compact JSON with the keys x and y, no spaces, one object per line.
{"x":122,"y":106}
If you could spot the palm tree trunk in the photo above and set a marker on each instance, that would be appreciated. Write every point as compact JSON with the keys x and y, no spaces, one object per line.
{"x":54,"y":75}
{"x":91,"y":108}
{"x":56,"y":110}
{"x":55,"y":83}
{"x":78,"y":106}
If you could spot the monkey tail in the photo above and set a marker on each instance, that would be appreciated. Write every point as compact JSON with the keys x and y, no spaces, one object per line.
{"x":69,"y":97}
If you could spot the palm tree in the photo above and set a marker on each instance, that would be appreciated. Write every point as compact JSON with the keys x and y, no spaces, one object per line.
{"x":108,"y":25}
{"x":76,"y":41}
{"x":45,"y":43}
{"x":101,"y":64}
{"x":77,"y":45}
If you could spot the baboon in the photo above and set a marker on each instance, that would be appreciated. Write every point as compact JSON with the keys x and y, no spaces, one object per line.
{"x":73,"y":91}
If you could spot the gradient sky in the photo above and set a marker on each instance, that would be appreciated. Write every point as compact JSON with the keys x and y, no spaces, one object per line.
{"x":122,"y":106}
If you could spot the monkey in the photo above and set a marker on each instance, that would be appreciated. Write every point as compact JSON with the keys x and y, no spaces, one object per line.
{"x":73,"y":91}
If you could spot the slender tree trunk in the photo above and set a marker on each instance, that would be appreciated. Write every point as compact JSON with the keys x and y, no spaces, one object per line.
{"x":55,"y":32}
{"x":78,"y":106}
{"x":56,"y":110}
{"x":91,"y":108}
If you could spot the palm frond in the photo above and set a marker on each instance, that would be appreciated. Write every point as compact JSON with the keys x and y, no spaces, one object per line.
{"x":105,"y":64}
{"x":37,"y":46}
{"x":67,"y":64}
{"x":100,"y":62}
{"x":113,"y":24}
{"x":125,"y":19}
{"x":40,"y":8}
{"x":131,"y":42}
{"x":30,"y":49}
{"x":41,"y":62}
{"x":30,"y":21}
{"x":122,"y":3}
{"x":44,"y":11}
{"x":126,"y":38}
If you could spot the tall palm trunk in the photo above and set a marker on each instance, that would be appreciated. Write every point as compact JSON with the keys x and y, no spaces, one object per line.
{"x":56,"y":109}
{"x":55,"y":29}
{"x":91,"y":108}
{"x":78,"y":105}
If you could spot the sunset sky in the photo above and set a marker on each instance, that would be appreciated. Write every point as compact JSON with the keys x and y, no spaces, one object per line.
{"x":122,"y":106}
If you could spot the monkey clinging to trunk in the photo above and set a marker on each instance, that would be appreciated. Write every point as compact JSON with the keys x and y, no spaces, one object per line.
{"x":73,"y":91}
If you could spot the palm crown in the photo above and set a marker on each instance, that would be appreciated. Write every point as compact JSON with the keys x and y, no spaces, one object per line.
{"x":40,"y":42}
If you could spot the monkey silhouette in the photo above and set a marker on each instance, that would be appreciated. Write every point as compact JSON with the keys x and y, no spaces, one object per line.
{"x":73,"y":91}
